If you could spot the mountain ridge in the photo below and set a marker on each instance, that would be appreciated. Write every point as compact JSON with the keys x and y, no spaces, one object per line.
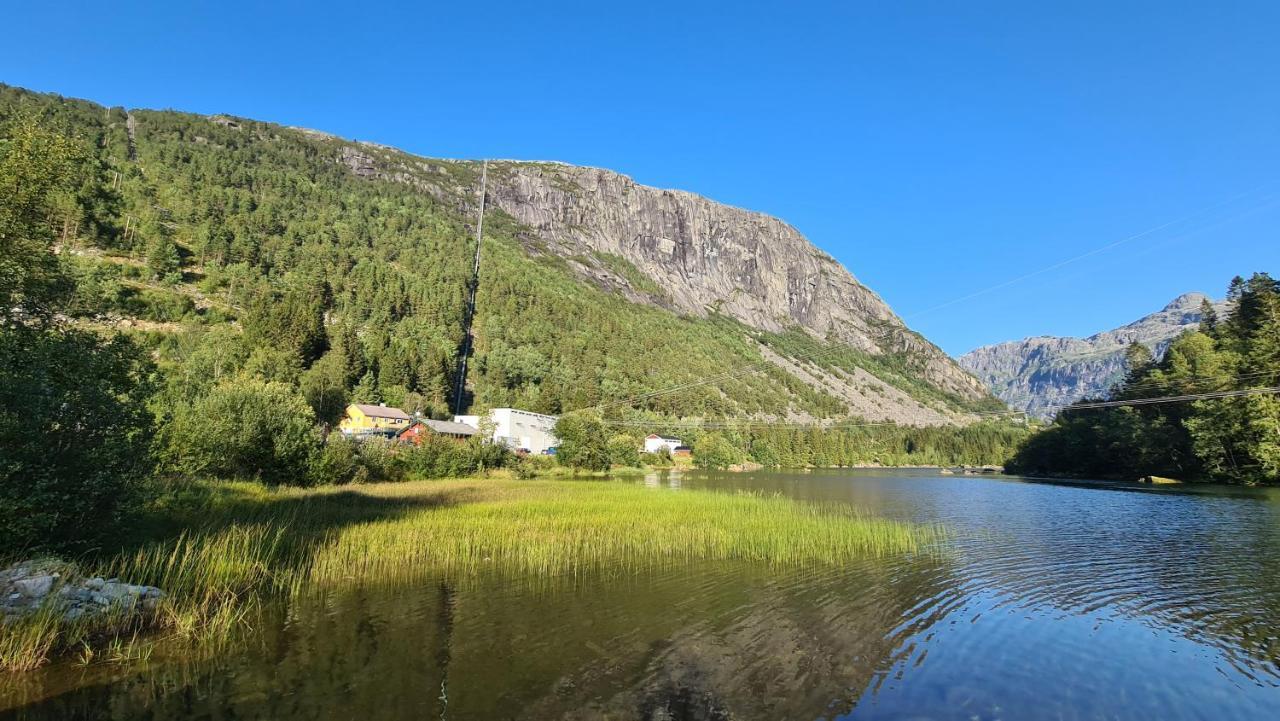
{"x":258,"y":204}
{"x":1040,"y":373}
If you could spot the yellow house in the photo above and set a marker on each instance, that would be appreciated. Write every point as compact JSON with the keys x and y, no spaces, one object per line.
{"x":364,"y":418}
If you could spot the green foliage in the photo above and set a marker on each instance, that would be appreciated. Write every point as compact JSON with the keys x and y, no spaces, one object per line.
{"x":712,"y":450}
{"x":855,"y":445}
{"x":624,"y":450}
{"x":583,"y":445}
{"x":74,"y":426}
{"x":162,"y":258}
{"x":36,"y":166}
{"x":74,"y":434}
{"x":534,"y":466}
{"x":1231,"y":440}
{"x":660,"y":459}
{"x":324,"y":385}
{"x":443,"y":457}
{"x":248,"y":429}
{"x":338,"y":461}
{"x":274,"y":231}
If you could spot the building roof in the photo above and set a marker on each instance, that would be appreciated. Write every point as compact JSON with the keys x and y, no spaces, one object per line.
{"x":381,"y":411}
{"x":451,"y":428}
{"x":651,"y":436}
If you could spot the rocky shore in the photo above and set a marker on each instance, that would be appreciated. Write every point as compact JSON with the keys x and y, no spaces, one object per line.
{"x":34,"y":585}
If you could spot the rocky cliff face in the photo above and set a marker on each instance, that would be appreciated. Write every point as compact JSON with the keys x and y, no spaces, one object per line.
{"x":696,"y":256}
{"x":1040,"y":374}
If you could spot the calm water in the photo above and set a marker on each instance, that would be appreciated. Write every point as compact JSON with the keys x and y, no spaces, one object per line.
{"x":1053,"y":602}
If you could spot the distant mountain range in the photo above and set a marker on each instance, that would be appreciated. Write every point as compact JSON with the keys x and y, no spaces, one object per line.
{"x":1040,"y":374}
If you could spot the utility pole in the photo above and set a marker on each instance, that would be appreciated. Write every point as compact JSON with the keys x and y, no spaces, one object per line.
{"x":471,"y":300}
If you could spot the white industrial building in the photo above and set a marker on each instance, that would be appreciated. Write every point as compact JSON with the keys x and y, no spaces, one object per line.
{"x":517,"y":429}
{"x":655,"y":443}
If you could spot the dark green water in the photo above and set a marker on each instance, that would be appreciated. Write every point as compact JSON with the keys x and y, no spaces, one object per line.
{"x":1053,"y":602}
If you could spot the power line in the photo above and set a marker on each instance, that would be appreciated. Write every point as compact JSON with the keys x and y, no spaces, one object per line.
{"x":733,"y":424}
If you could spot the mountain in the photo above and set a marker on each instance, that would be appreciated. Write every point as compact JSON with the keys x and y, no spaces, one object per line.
{"x":345,"y":267}
{"x":1040,"y":374}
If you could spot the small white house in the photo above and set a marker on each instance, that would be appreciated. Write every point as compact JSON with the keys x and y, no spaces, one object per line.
{"x":654,"y":443}
{"x":517,"y":429}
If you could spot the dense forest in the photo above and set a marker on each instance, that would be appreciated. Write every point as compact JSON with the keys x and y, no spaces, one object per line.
{"x":1230,"y":440}
{"x":202,"y":296}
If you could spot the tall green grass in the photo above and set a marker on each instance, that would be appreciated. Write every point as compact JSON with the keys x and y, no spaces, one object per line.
{"x":558,"y":528}
{"x":220,"y":551}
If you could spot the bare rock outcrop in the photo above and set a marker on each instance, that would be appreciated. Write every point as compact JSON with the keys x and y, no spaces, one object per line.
{"x":708,"y":256}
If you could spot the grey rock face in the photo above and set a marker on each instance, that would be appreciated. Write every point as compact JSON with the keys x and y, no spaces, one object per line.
{"x":707,"y":256}
{"x":1039,"y":375}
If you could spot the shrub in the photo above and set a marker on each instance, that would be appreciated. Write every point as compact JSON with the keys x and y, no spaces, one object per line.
{"x":660,"y":459}
{"x":534,"y":466}
{"x":441,"y":457}
{"x":623,"y":451}
{"x":378,"y":461}
{"x":337,"y":462}
{"x":246,"y":428}
{"x":713,"y":451}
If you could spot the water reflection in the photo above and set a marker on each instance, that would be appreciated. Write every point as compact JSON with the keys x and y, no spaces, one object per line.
{"x":1055,"y":602}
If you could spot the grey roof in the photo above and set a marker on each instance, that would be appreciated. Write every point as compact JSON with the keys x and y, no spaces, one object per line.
{"x":451,"y":428}
{"x":381,"y":411}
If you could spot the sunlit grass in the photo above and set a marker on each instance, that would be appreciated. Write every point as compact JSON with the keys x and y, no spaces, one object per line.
{"x":553,"y":529}
{"x":239,"y":546}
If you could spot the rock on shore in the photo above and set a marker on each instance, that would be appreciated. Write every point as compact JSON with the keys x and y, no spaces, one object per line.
{"x":30,"y":586}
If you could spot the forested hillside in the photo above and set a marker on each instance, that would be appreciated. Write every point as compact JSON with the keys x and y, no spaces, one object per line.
{"x":1226,"y":439}
{"x":342,"y":269}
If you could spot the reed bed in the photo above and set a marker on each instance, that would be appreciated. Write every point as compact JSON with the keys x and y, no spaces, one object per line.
{"x":240,"y":546}
{"x":560,"y":528}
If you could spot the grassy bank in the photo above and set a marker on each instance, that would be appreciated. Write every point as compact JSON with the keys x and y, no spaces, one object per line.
{"x":219,"y":550}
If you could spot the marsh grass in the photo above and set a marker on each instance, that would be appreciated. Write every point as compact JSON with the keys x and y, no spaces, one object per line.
{"x":559,"y":528}
{"x":221,"y":551}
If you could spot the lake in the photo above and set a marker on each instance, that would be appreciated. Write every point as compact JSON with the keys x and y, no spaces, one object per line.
{"x":1050,"y":601}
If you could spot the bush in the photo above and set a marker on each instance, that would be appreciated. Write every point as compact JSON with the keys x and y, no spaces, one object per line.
{"x":624,"y":451}
{"x":378,"y":461}
{"x":441,"y":457}
{"x":74,"y":435}
{"x":713,"y":451}
{"x":534,"y":466}
{"x":246,"y":428}
{"x":660,"y":459}
{"x":337,"y":462}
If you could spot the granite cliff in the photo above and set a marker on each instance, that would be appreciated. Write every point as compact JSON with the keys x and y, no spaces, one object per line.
{"x":695,"y":255}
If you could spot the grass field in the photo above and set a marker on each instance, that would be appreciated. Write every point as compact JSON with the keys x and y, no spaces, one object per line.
{"x":219,"y":549}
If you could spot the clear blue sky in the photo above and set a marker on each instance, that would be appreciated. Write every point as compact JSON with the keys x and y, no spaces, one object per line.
{"x":935,"y":148}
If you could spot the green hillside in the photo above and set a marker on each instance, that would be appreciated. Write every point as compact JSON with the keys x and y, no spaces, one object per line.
{"x":343,"y":268}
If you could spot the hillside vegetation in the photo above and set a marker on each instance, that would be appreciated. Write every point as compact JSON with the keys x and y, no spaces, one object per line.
{"x":201,"y":297}
{"x":302,"y":257}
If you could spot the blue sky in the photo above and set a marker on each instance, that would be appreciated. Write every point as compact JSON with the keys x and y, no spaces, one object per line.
{"x":937,"y":149}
